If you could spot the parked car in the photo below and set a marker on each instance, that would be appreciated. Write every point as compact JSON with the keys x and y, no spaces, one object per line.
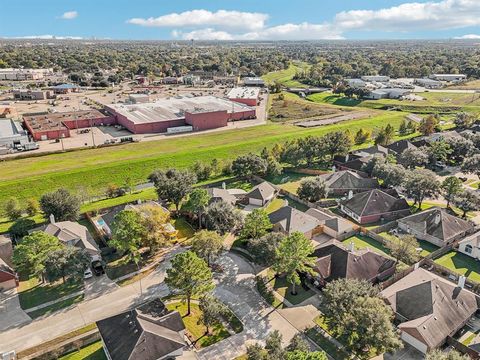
{"x":87,"y":274}
{"x":98,"y":268}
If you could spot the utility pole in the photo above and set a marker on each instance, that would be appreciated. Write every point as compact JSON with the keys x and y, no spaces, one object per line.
{"x":93,"y":136}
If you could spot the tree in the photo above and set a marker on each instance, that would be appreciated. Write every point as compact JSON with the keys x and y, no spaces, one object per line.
{"x":391,"y":174}
{"x":298,"y":344}
{"x":264,"y":249}
{"x":248,"y":165}
{"x":413,"y":157}
{"x":32,"y":207}
{"x":312,"y":189}
{"x":155,"y":223}
{"x":223,"y":217}
{"x":337,"y":143}
{"x":173,"y":185}
{"x":442,"y":355}
{"x":61,"y":204}
{"x":207,"y":245}
{"x":293,"y":256}
{"x":339,"y":301}
{"x":12,"y":209}
{"x":467,"y":200}
{"x":421,"y":184}
{"x":212,"y":311}
{"x":404,"y":249}
{"x":129,"y":184}
{"x":403,"y":128}
{"x":305,"y":355}
{"x":197,"y":201}
{"x":471,"y":165}
{"x":274,"y":168}
{"x":20,"y":227}
{"x":255,"y":352}
{"x":202,"y":171}
{"x":128,"y":233}
{"x":362,"y":136}
{"x":31,"y":254}
{"x":385,"y":136}
{"x":256,"y":225}
{"x":451,"y":186}
{"x":189,"y":276}
{"x":428,"y":125}
{"x":273,"y":346}
{"x":68,"y":261}
{"x":464,"y":120}
{"x":438,"y":152}
{"x":461,"y":148}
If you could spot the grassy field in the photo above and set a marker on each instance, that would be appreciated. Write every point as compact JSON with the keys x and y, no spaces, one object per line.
{"x":285,"y":77}
{"x":91,"y":352}
{"x":93,"y":169}
{"x":461,"y":264}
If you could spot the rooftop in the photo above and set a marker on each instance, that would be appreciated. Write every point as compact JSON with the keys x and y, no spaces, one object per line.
{"x":243,"y":93}
{"x":9,"y":128}
{"x":174,"y":108}
{"x":54,"y":121}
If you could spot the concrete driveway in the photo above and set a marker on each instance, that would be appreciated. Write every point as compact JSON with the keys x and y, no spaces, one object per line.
{"x":11,"y":314}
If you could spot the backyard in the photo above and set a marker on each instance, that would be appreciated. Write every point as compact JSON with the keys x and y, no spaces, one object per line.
{"x":91,"y":352}
{"x":461,"y":264}
{"x":427,"y":248}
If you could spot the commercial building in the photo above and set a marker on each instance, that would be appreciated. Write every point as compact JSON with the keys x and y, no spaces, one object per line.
{"x":46,"y":126}
{"x":24,"y":74}
{"x":388,"y":93}
{"x":12,"y":134}
{"x":33,"y":94}
{"x":429,"y":83}
{"x":376,"y":78}
{"x":65,"y":88}
{"x":253,"y":81}
{"x":138,"y":98}
{"x":202,"y":113}
{"x":449,"y":77}
{"x":245,"y":95}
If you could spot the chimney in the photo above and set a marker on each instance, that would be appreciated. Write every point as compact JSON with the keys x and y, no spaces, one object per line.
{"x":351,"y":246}
{"x":52,"y":219}
{"x":350,"y":194}
{"x":461,"y":282}
{"x":437,"y":218}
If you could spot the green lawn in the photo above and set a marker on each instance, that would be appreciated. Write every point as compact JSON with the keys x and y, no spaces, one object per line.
{"x":283,"y":288}
{"x":461,"y":264}
{"x":275,"y":205}
{"x":326,"y":345}
{"x":195,"y":329}
{"x":285,"y":77}
{"x":32,"y":293}
{"x":91,"y":170}
{"x":185,"y":230}
{"x":362,"y":242}
{"x":91,"y":352}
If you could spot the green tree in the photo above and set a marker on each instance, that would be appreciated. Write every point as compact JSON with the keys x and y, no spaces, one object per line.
{"x":31,"y":254}
{"x":305,"y":355}
{"x":337,"y":143}
{"x":264,"y":249}
{"x":312,"y":189}
{"x":438,"y":152}
{"x":212,"y":311}
{"x":451,"y":186}
{"x":255,"y":352}
{"x":421,"y":184}
{"x":428,"y":125}
{"x":248,"y":165}
{"x":256,"y":225}
{"x":273,"y":346}
{"x":403,"y":128}
{"x":62,"y":204}
{"x":32,"y":207}
{"x":471,"y":165}
{"x":12,"y":209}
{"x":207,"y":245}
{"x":293,"y":256}
{"x":21,"y":227}
{"x":173,"y":185}
{"x":189,"y":276}
{"x":442,"y":355}
{"x":464,"y":120}
{"x":223,"y":217}
{"x":68,"y":261}
{"x":404,"y":249}
{"x":413,"y":157}
{"x":197,"y":202}
{"x":385,"y":136}
{"x":128,"y":233}
{"x":467,"y":200}
{"x":362,"y":136}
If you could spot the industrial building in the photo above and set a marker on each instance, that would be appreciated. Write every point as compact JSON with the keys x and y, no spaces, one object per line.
{"x":33,"y":94}
{"x":376,"y":78}
{"x":12,"y":134}
{"x":244,"y":95}
{"x":388,"y":93}
{"x":65,"y":88}
{"x":449,"y":77}
{"x":46,"y":126}
{"x":201,"y":113}
{"x":253,"y":81}
{"x":429,"y":83}
{"x":24,"y":74}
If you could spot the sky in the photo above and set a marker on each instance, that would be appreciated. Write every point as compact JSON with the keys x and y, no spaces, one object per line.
{"x":241,"y":19}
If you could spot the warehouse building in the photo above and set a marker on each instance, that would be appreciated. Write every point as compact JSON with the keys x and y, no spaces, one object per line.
{"x":65,"y":89}
{"x":253,"y":81}
{"x":32,"y":94}
{"x":12,"y":134}
{"x":449,"y":77}
{"x":201,"y":113}
{"x":24,"y":74}
{"x":245,"y":95}
{"x":46,"y":126}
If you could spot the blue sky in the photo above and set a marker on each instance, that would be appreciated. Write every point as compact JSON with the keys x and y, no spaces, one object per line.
{"x":242,"y":19}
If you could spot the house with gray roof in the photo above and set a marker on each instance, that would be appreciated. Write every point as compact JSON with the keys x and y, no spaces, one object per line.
{"x":429,"y":308}
{"x":374,"y":205}
{"x":436,"y":226}
{"x":288,"y":220}
{"x":148,"y":332}
{"x":342,"y":182}
{"x":400,"y":146}
{"x":336,"y":261}
{"x":332,"y":225}
{"x":261,"y":194}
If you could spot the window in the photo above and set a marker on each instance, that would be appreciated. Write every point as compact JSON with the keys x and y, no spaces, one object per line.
{"x":468,"y":249}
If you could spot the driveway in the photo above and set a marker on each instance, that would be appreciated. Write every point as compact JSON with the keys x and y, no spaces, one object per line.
{"x":11,"y":314}
{"x":98,"y":286}
{"x":236,"y":289}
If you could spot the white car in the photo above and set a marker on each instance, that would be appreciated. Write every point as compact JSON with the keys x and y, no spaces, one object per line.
{"x":87,"y":274}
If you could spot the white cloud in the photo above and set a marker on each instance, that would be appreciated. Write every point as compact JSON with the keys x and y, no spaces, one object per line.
{"x":468,"y":36}
{"x":203,"y":34}
{"x":69,"y":15}
{"x":221,"y":18}
{"x":441,"y":15}
{"x":48,"y":37}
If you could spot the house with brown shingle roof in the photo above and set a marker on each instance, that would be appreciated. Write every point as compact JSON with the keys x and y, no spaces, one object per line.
{"x":261,"y":194}
{"x":342,"y":182}
{"x":429,"y":308}
{"x":288,"y":220}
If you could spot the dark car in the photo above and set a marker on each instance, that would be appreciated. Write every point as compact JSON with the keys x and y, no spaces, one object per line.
{"x":98,"y":268}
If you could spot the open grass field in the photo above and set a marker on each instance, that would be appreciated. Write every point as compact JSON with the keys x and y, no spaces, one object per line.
{"x":461,"y":264}
{"x":469,"y":85}
{"x":93,"y":169}
{"x":285,"y":77}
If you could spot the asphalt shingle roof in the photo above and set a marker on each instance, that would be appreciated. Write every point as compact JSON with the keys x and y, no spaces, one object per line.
{"x":374,"y":202}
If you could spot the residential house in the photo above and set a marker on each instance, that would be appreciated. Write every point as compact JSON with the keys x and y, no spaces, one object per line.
{"x":148,"y":332}
{"x":470,"y":246}
{"x":8,"y":277}
{"x":398,"y":147}
{"x":352,"y":162}
{"x":333,"y":226}
{"x":288,"y":220}
{"x":261,"y":194}
{"x":429,"y":308}
{"x":374,"y":205}
{"x":6,"y":249}
{"x":335,"y":261}
{"x":342,"y":182}
{"x":73,"y":234}
{"x":373,"y":150}
{"x":230,"y":196}
{"x":436,"y":226}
